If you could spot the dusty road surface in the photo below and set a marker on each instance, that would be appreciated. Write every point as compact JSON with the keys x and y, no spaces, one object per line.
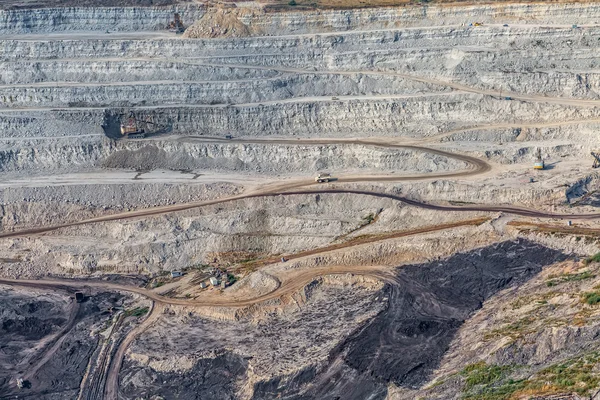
{"x":181,"y":207}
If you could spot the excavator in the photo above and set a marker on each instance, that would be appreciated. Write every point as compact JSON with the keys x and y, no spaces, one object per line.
{"x":539,"y":163}
{"x":134,"y":128}
{"x":176,"y":25}
{"x":596,"y":159}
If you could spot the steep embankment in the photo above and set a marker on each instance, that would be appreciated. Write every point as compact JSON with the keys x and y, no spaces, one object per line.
{"x":155,"y":18}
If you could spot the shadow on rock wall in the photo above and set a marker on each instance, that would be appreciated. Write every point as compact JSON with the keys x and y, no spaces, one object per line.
{"x":426,"y":306}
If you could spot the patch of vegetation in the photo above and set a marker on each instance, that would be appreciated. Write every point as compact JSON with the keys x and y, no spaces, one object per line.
{"x":137,"y":312}
{"x":591,"y":298}
{"x":435,"y":384}
{"x":573,"y":375}
{"x":231,"y":279}
{"x":594,"y":258}
{"x":558,"y":279}
{"x":502,"y":391}
{"x":489,"y":382}
{"x":368,"y":219}
{"x":158,"y":284}
{"x":482,"y":374}
{"x":515,"y":329}
{"x":525,"y":300}
{"x":196,"y":266}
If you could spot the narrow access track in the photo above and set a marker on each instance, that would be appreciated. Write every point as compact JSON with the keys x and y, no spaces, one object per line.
{"x":526,"y":212}
{"x":456,"y":86}
{"x":295,"y":282}
{"x":366,"y":239}
{"x":111,"y":387}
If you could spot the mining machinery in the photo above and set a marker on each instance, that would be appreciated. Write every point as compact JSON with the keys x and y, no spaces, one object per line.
{"x":176,"y":25}
{"x":134,"y":128}
{"x":596,"y":159}
{"x":539,"y":162}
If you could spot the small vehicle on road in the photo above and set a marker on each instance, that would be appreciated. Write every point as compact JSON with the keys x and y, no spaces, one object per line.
{"x":323,"y":178}
{"x":79,"y":297}
{"x":228,"y":137}
{"x":505,"y":25}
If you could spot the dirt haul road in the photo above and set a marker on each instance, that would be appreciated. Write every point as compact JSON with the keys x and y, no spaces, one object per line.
{"x":296,"y":281}
{"x":526,"y":212}
{"x":111,"y":387}
{"x":458,"y":88}
{"x":477,"y":167}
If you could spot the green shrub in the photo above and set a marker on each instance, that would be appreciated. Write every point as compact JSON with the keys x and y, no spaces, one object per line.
{"x":137,"y":312}
{"x":594,"y":258}
{"x":368,"y":219}
{"x":591,"y":298}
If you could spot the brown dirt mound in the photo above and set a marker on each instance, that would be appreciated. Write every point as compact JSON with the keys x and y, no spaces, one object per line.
{"x":218,"y":23}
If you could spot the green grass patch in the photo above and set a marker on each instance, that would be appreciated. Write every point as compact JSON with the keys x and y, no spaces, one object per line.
{"x":137,"y":312}
{"x":573,"y":375}
{"x":492,"y":382}
{"x":485,"y":382}
{"x":594,"y":258}
{"x":514,"y":330}
{"x":503,"y":391}
{"x":538,"y":299}
{"x":482,"y":374}
{"x":558,"y":279}
{"x":591,"y":298}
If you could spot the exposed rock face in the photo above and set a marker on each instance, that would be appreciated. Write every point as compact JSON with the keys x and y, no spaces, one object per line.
{"x":14,"y":22}
{"x":156,"y":18}
{"x":542,"y":337}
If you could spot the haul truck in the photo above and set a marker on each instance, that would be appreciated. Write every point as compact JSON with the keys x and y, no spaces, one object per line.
{"x":323,"y":178}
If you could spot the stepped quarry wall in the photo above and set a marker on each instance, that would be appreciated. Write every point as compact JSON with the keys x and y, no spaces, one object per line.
{"x":93,"y":19}
{"x":155,"y":18}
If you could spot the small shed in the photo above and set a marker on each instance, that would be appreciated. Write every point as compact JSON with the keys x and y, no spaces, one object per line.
{"x":213,"y":281}
{"x":203,"y":285}
{"x":223,"y":283}
{"x":176,"y":274}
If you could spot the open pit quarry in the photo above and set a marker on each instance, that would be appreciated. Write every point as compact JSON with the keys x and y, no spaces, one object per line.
{"x":163,"y":234}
